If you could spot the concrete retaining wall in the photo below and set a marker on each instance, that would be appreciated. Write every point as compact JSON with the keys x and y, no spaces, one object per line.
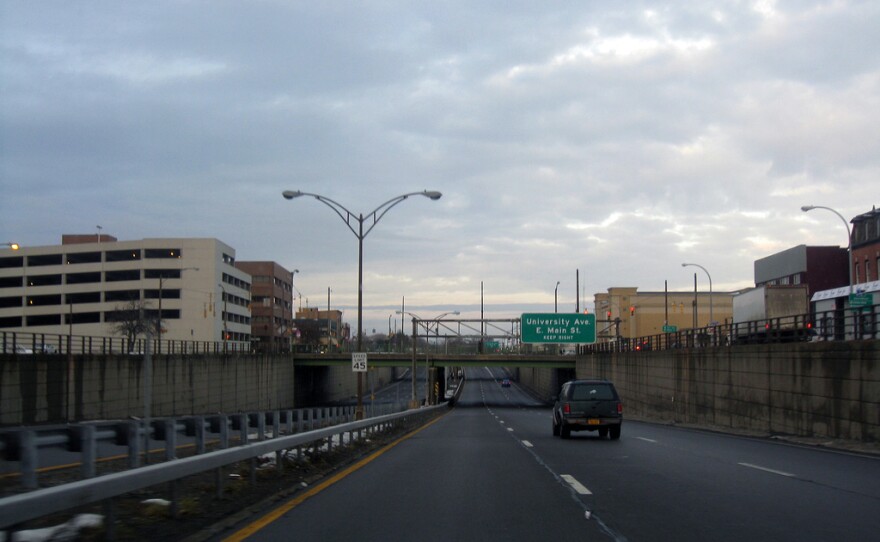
{"x":36,"y":389}
{"x":807,"y":389}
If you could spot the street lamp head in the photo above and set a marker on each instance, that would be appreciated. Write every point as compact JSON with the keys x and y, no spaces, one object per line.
{"x":433,"y":194}
{"x":290,"y":194}
{"x":806,"y":208}
{"x":13,"y":246}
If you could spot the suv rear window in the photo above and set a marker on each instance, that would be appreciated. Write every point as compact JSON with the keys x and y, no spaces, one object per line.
{"x":592,"y":392}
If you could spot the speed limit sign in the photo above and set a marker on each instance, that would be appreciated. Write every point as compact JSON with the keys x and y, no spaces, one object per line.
{"x":359,"y":362}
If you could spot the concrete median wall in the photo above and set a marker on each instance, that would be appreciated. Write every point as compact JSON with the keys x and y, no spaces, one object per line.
{"x":827,"y":389}
{"x":40,"y":389}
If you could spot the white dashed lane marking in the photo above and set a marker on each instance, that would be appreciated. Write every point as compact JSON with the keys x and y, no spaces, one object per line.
{"x":575,"y":485}
{"x":765,"y":469}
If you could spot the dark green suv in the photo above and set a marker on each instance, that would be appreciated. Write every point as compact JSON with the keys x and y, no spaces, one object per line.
{"x":588,"y":405}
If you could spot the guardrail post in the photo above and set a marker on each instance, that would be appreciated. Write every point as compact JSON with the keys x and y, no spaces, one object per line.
{"x":261,"y":426}
{"x":276,"y":428}
{"x":109,"y":519}
{"x":199,"y":427}
{"x":224,"y":431}
{"x":298,"y":413}
{"x":28,"y":450}
{"x":242,"y":429}
{"x":170,"y":439}
{"x":132,"y":430}
{"x":89,"y":451}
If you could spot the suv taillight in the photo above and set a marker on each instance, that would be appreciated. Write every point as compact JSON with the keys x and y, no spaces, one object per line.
{"x":566,"y":408}
{"x":620,"y":408}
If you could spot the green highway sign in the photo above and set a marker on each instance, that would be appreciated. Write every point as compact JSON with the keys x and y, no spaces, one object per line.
{"x":861,"y":300}
{"x":558,"y":328}
{"x":670,"y":329}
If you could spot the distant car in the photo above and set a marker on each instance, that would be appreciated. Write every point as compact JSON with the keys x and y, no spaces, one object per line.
{"x":19,"y":349}
{"x":588,"y":405}
{"x":450,"y":391}
{"x":505,"y":383}
{"x":46,"y":348}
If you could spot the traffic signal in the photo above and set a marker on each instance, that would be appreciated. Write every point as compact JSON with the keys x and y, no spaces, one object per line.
{"x":632,"y":310}
{"x":608,"y":314}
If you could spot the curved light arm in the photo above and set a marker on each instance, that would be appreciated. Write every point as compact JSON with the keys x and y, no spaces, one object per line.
{"x":414,"y":316}
{"x":337,"y":207}
{"x":849,"y":257}
{"x":704,"y":270}
{"x":806,"y":208}
{"x":347,"y":216}
{"x":380,"y":211}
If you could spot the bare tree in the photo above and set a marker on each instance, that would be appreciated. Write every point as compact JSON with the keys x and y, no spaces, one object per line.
{"x":130,"y":321}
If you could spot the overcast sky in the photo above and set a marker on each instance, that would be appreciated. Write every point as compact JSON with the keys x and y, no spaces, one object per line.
{"x":619,"y":139}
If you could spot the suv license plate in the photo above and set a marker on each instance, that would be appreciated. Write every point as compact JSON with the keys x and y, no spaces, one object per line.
{"x":593,"y":421}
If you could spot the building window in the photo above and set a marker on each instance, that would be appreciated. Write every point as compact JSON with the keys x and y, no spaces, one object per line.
{"x":867,"y":270}
{"x":83,"y":257}
{"x":161,"y":253}
{"x":44,"y":259}
{"x":43,"y":300}
{"x":858,"y":274}
{"x":118,"y":276}
{"x":83,"y":278}
{"x":10,"y":321}
{"x":167,"y":293}
{"x":43,"y":320}
{"x":123,"y":255}
{"x":43,"y":280}
{"x":85,"y":297}
{"x":11,"y":282}
{"x":161,"y":273}
{"x":122,"y":295}
{"x":7,"y":263}
{"x":6,"y":302}
{"x":83,"y":318}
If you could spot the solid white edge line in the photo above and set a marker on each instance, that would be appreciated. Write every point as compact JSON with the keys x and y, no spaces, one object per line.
{"x":765,"y":469}
{"x":647,"y":439}
{"x":575,"y":485}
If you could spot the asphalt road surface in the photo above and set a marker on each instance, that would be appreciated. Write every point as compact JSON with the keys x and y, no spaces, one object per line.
{"x":490,"y":469}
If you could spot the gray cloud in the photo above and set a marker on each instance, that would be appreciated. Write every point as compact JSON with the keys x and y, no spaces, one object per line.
{"x":617,"y":139}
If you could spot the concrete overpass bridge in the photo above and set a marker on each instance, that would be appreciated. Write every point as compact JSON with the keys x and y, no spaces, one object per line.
{"x":431,"y":359}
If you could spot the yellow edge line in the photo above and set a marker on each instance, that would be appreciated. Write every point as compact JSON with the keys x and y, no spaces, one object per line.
{"x":42,"y":470}
{"x":293,"y":503}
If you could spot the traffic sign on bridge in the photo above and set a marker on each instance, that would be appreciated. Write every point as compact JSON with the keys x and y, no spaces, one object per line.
{"x":558,"y":328}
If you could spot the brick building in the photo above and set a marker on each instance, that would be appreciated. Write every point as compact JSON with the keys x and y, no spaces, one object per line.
{"x":271,"y":305}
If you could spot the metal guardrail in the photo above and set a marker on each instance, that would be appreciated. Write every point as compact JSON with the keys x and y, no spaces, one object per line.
{"x":834,"y":325}
{"x":24,"y":444}
{"x":17,"y":509}
{"x":18,"y":342}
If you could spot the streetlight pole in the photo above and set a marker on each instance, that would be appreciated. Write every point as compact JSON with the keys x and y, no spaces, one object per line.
{"x":806,"y":208}
{"x":556,"y":297}
{"x":711,"y":317}
{"x":349,"y":218}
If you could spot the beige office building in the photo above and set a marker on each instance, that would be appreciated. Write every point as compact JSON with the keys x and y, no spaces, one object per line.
{"x":82,"y":286}
{"x":646,"y":313}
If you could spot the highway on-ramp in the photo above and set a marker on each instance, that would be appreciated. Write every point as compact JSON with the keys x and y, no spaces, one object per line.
{"x":490,"y":469}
